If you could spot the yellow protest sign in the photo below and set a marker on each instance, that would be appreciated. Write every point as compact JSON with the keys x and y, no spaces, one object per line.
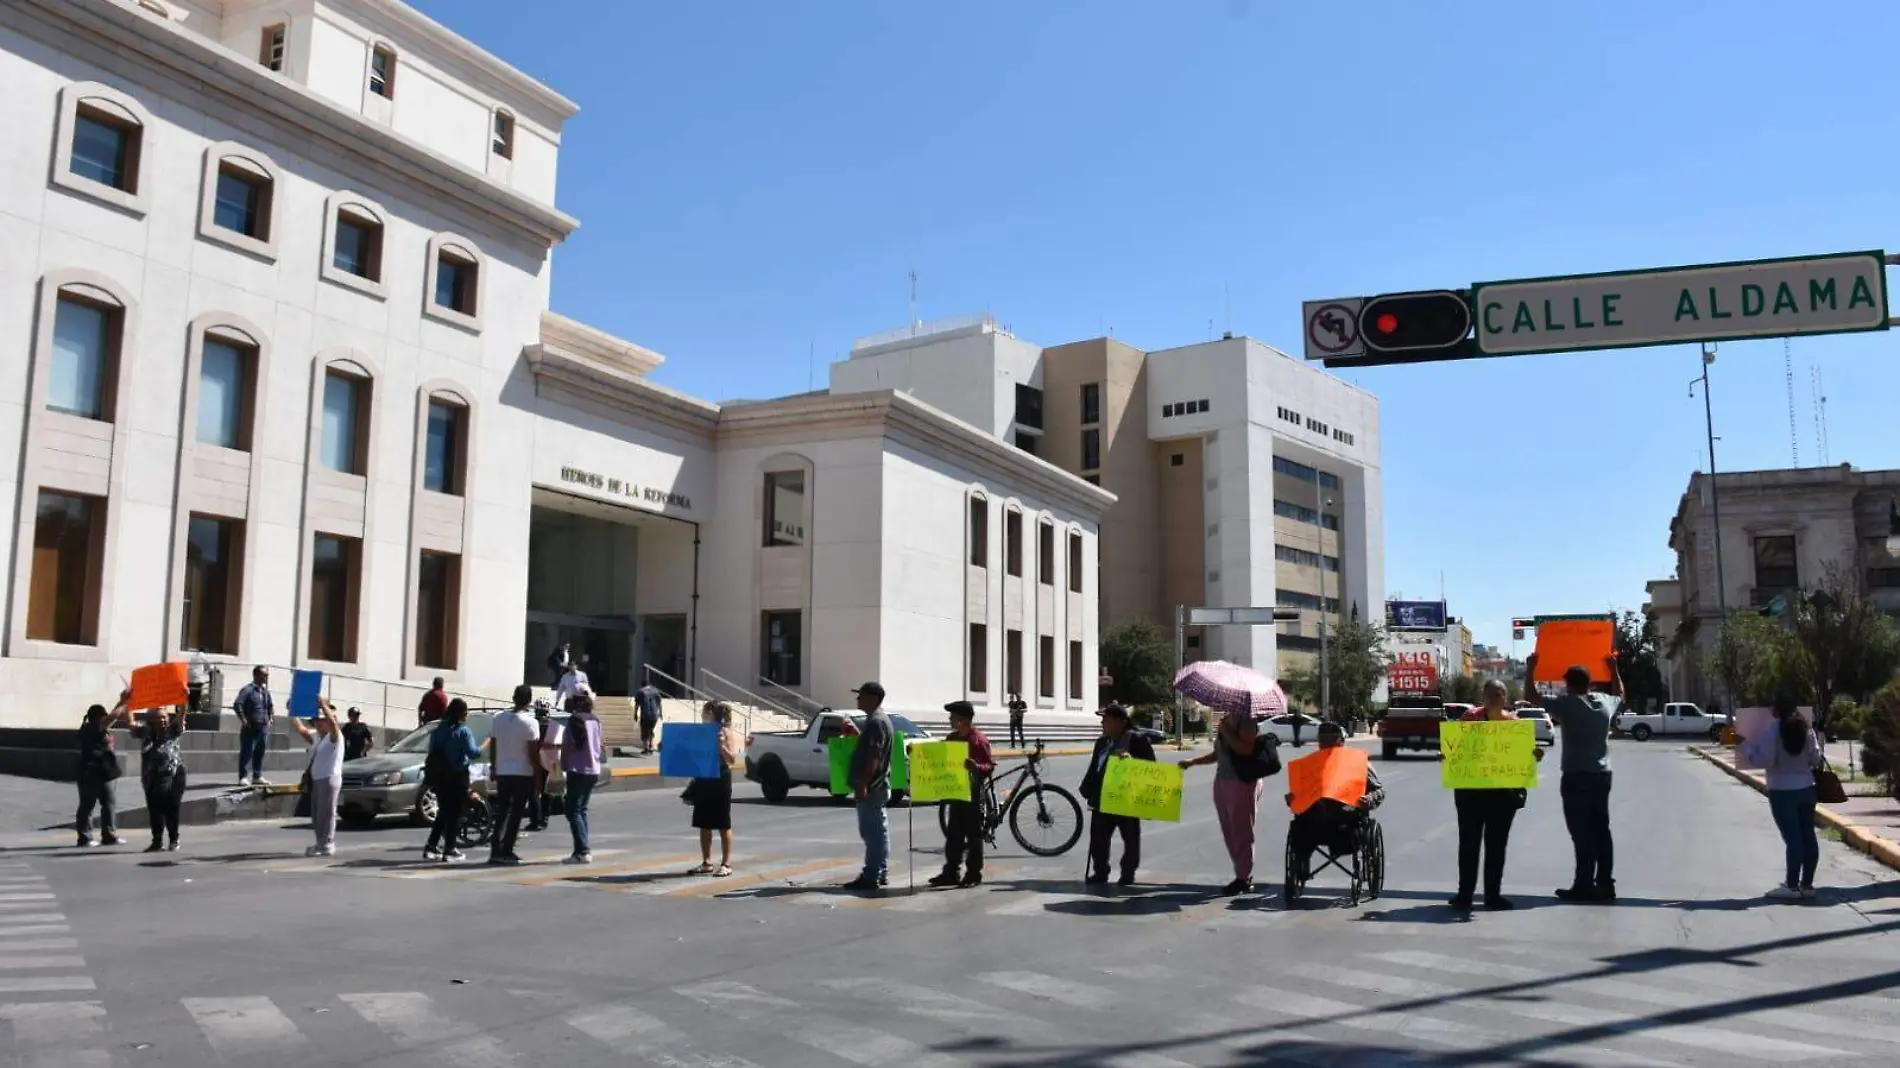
{"x":1490,"y":755}
{"x":1143,"y":789}
{"x":937,"y":772}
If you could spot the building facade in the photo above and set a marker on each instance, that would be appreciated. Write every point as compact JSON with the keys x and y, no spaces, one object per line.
{"x":283,"y":386}
{"x":1781,"y":531}
{"x":1242,"y":476}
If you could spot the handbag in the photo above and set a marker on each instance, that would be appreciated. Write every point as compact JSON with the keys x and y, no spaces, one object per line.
{"x":1259,"y":764}
{"x":690,"y":795}
{"x":1827,"y":786}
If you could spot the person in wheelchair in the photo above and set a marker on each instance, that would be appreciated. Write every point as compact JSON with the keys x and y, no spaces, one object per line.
{"x":1326,"y":821}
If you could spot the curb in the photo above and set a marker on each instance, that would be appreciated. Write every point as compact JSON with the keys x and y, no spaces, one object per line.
{"x":1859,"y":838}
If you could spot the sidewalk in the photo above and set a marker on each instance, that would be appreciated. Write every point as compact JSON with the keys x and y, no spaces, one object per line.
{"x":1869,"y":824}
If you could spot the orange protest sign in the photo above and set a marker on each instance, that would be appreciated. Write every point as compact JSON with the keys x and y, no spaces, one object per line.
{"x":158,"y":686}
{"x":1338,"y":773}
{"x":1566,"y":643}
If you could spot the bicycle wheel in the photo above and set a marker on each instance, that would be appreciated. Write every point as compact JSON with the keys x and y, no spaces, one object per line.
{"x":1054,"y":820}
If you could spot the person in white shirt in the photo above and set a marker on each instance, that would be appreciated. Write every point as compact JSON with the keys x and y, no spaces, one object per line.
{"x":572,"y":683}
{"x":514,"y":737}
{"x":326,"y":775}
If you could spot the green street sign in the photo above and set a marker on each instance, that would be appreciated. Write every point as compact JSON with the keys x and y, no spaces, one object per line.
{"x":1831,"y":294}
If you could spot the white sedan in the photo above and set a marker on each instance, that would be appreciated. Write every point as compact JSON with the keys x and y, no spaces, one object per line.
{"x":1280,"y":728}
{"x":1536,"y":714}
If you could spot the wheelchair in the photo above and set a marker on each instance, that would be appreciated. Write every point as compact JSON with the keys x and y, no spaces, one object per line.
{"x":1355,"y":846}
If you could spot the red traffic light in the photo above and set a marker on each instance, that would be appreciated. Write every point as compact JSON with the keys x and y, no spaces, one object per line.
{"x":1415,"y":322}
{"x":1387,"y":323}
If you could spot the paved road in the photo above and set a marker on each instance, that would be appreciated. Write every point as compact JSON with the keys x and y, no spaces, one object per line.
{"x":240,"y":950}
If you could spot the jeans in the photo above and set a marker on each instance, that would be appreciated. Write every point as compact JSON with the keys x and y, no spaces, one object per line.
{"x":1794,"y":816}
{"x":511,"y":795}
{"x":323,"y":793}
{"x":1102,"y":830}
{"x":94,"y":790}
{"x":876,"y":832}
{"x":538,"y":802}
{"x":1238,"y":804}
{"x":162,"y":800}
{"x":1586,"y":797}
{"x":253,"y":743}
{"x":451,"y":797}
{"x":963,"y":845}
{"x":1484,"y":824}
{"x":580,"y":789}
{"x":1017,"y":739}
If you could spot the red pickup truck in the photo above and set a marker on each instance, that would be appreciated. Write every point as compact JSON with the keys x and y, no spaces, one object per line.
{"x":1412,"y":723}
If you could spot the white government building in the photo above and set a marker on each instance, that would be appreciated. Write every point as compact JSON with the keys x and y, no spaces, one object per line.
{"x":282,"y":386}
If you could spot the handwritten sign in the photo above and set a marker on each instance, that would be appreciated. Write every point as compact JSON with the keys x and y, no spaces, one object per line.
{"x":1754,"y":723}
{"x":839,"y":750}
{"x":1144,"y":789}
{"x":690,"y":751}
{"x":158,"y":686}
{"x":937,"y":772}
{"x":1566,"y":643}
{"x":1498,"y":755}
{"x":305,"y":688}
{"x":1338,"y":773}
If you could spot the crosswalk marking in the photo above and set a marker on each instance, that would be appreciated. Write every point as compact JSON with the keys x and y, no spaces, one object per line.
{"x":636,"y":1034}
{"x":413,"y":1020}
{"x":1048,"y":987}
{"x":37,"y":945}
{"x":1342,"y":1014}
{"x":764,"y":874}
{"x":13,"y":919}
{"x":30,"y":929}
{"x":587,"y":873}
{"x":840,"y":1038}
{"x":931,"y":1003}
{"x":37,"y":963}
{"x":45,"y":984}
{"x":244,"y":1026}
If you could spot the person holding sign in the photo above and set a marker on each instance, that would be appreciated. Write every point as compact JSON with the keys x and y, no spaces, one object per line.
{"x":963,"y":842}
{"x":326,"y":775}
{"x":1118,"y":742}
{"x":870,"y":782}
{"x":1240,"y":770}
{"x":712,"y":798}
{"x":1330,"y":789}
{"x":1586,"y":779}
{"x":162,"y":773}
{"x":1485,"y":816}
{"x":1788,"y":752}
{"x":98,"y":769}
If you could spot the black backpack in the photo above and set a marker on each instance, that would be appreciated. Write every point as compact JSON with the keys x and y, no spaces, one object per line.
{"x":435,"y":766}
{"x":1257,"y":765}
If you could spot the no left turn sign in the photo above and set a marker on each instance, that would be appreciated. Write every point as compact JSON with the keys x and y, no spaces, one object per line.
{"x":1332,"y":328}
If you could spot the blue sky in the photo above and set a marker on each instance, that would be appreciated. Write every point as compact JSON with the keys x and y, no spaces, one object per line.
{"x":755,"y":179}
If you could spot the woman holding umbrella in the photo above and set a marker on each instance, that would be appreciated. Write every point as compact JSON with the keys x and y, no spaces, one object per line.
{"x":1242,"y":694}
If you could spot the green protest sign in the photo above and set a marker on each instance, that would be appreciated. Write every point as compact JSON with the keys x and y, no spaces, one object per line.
{"x":937,"y":772}
{"x":839,"y":750}
{"x":1489,"y":755}
{"x":1144,"y":789}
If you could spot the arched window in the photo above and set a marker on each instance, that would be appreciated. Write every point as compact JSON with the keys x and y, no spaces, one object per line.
{"x":353,"y":238}
{"x":102,"y":146}
{"x":456,"y":279}
{"x":979,"y":528}
{"x":238,"y":206}
{"x":502,"y":136}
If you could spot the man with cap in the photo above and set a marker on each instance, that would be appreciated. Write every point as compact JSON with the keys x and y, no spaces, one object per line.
{"x":870,"y":779}
{"x":963,"y":841}
{"x":358,"y":739}
{"x":1326,"y":821}
{"x":1118,"y":741}
{"x":1586,"y":779}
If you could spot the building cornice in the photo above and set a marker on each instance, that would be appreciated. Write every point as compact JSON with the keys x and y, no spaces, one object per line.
{"x":560,"y":333}
{"x":505,"y":78}
{"x":316,"y":127}
{"x":694,"y":419}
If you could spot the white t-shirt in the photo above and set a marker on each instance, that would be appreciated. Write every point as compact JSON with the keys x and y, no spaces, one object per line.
{"x":326,"y":757}
{"x":513,"y":732}
{"x":571,"y":683}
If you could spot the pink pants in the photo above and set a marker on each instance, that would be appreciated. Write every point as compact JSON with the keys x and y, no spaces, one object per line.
{"x":1237,"y":803}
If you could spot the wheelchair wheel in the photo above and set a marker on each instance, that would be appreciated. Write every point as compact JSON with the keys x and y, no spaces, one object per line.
{"x":1375,"y":859}
{"x":1295,"y":879}
{"x":477,"y":825}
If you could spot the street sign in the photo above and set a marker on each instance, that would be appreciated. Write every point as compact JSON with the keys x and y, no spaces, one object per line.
{"x":1829,"y":294}
{"x":1332,"y":328}
{"x":1223,"y":617}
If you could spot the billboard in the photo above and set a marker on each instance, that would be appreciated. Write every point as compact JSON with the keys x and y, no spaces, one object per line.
{"x":1413,"y":674}
{"x":1415,"y":615}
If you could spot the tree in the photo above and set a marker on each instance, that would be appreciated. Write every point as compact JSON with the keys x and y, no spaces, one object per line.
{"x":1302,"y":686}
{"x":1356,"y":659}
{"x":1638,"y":661}
{"x":1139,"y":657}
{"x":1461,"y":689}
{"x":1756,"y":659}
{"x":1838,"y":636}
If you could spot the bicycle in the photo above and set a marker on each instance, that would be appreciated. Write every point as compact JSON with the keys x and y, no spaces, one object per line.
{"x":1053,"y":812}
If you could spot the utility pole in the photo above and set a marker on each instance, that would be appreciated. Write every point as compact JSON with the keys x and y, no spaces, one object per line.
{"x":1715,"y":489}
{"x":1319,"y":539}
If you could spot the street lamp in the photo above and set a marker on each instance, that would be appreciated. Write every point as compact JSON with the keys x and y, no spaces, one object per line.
{"x":1715,"y":489}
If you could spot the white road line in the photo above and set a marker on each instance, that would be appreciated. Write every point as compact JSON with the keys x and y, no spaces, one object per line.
{"x":23,"y":964}
{"x":244,"y":1026}
{"x":23,"y":895}
{"x":1573,"y":1015}
{"x":625,"y":1029}
{"x":931,"y":1003}
{"x":49,"y":1031}
{"x":31,"y":929}
{"x":841,"y":1039}
{"x":39,"y":945}
{"x":1050,"y":988}
{"x":412,"y":1020}
{"x":46,"y":984}
{"x":1359,"y":1018}
{"x":15,"y":919}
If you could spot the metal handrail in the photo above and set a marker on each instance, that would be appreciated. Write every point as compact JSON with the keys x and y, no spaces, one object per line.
{"x":750,"y":697}
{"x":698,"y":693}
{"x":818,"y":707}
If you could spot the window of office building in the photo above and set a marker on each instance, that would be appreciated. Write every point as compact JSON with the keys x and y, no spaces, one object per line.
{"x":1046,"y":554}
{"x":68,"y":559}
{"x":785,"y":515}
{"x":335,"y":575}
{"x":1046,"y":666}
{"x":438,"y":609}
{"x":1013,"y":543}
{"x":979,"y":658}
{"x":1775,"y":563}
{"x":241,"y":201}
{"x":1029,"y":406}
{"x":1091,"y":403}
{"x":105,"y":148}
{"x":214,"y":550}
{"x":442,"y":463}
{"x":1013,"y":661}
{"x":979,"y":530}
{"x":382,"y":72}
{"x":502,"y":138}
{"x":780,"y":644}
{"x":85,"y":360}
{"x":1075,"y":562}
{"x":359,"y":244}
{"x":224,"y":377}
{"x":1091,"y":449}
{"x":457,"y":280}
{"x":1305,"y":473}
{"x":1075,"y":671}
{"x":345,"y":422}
{"x":270,"y":51}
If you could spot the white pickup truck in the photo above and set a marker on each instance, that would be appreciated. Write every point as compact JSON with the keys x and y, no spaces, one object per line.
{"x":1677,"y":717}
{"x":780,"y":760}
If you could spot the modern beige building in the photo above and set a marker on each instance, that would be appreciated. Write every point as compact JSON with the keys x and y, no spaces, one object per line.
{"x":1781,"y":531}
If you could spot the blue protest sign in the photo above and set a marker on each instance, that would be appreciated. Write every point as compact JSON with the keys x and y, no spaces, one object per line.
{"x":690,"y":751}
{"x":305,"y":688}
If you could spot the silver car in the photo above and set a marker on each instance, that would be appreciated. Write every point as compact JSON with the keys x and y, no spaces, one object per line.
{"x":390,"y":782}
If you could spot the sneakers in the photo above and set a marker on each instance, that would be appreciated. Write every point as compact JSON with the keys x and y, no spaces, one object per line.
{"x":110,"y":840}
{"x":579,"y":858}
{"x":155,"y":847}
{"x":244,"y":780}
{"x":432,"y":854}
{"x":1096,"y":878}
{"x":83,"y":843}
{"x":453,"y":855}
{"x":1127,"y":879}
{"x":1784,"y":893}
{"x":974,"y":879}
{"x":1576,"y":893}
{"x":1499,"y":904}
{"x":1460,"y":902}
{"x":507,"y":861}
{"x":945,"y":878}
{"x":326,"y":851}
{"x":173,"y":847}
{"x":1236,"y":888}
{"x":862,"y":884}
{"x":313,"y":851}
{"x":1807,"y":893}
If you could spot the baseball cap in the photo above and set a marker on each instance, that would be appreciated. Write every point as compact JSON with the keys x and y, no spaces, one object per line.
{"x":1114,"y":710}
{"x":961,"y":709}
{"x":872,"y":688}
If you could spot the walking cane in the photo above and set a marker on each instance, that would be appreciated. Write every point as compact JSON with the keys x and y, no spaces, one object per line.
{"x":910,"y":836}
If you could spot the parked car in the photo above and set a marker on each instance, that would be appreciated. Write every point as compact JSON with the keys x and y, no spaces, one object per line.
{"x":1677,"y":718}
{"x":1412,"y":723}
{"x":1279,"y":728}
{"x":780,"y":760}
{"x":1535,"y":714}
{"x":390,"y":782}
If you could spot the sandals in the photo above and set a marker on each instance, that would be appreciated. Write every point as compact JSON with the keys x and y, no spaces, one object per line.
{"x":722,"y":871}
{"x":705,"y":868}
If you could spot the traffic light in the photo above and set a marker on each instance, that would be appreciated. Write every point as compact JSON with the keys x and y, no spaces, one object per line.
{"x":1416,"y":323}
{"x":1522,"y":623}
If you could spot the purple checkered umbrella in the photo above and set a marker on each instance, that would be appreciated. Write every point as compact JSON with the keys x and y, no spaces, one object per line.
{"x":1226,"y":687}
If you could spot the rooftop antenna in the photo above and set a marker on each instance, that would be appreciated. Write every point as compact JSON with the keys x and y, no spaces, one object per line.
{"x":1787,"y":367}
{"x":1210,"y":330}
{"x":1227,"y":298}
{"x":914,"y":321}
{"x":1820,"y":412}
{"x":811,"y":365}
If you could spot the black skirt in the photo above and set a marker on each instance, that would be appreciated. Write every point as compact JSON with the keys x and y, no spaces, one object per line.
{"x":712,"y":804}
